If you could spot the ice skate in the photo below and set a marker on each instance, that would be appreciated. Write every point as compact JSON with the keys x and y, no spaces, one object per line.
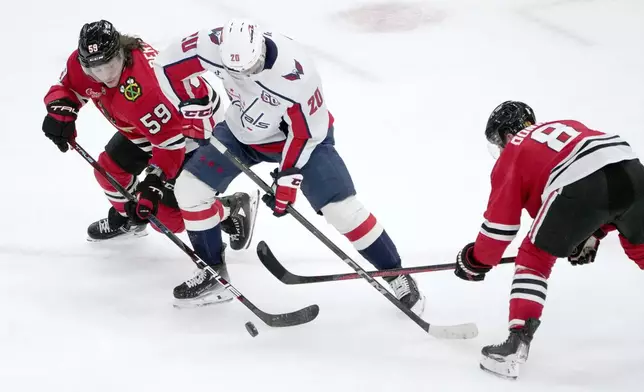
{"x":115,"y":226}
{"x":203,"y":289}
{"x":241,"y":221}
{"x":504,"y":359}
{"x":406,"y":290}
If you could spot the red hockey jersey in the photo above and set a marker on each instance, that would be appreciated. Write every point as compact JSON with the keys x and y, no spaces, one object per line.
{"x":536,"y":163}
{"x":138,"y":108}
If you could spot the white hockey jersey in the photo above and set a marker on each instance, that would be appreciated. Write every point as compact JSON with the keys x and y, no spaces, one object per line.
{"x":281,"y":109}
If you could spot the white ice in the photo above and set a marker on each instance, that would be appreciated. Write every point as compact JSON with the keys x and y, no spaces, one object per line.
{"x":410,"y":109}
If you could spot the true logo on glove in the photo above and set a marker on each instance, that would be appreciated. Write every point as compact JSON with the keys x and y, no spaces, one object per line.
{"x":63,"y":109}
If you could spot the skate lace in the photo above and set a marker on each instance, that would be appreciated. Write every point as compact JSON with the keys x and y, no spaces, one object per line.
{"x":401,"y":287}
{"x":500,"y":344}
{"x":199,"y":278}
{"x":503,"y":343}
{"x":104,"y":226}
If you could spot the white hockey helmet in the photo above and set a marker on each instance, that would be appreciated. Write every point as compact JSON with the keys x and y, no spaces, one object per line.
{"x":242,"y":47}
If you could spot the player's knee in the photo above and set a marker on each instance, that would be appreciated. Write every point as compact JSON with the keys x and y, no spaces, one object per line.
{"x":108,"y":164}
{"x":171,"y":218}
{"x":534,"y":258}
{"x":190,"y":191}
{"x":346,"y":215}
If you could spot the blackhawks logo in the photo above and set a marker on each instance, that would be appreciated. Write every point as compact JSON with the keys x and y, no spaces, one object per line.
{"x":131,"y":90}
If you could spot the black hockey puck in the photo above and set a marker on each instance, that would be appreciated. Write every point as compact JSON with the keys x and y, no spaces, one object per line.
{"x":252,"y":330}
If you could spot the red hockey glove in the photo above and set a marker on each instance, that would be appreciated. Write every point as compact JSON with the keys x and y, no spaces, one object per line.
{"x":201,"y":108}
{"x":150,"y":193}
{"x":586,"y":252}
{"x":60,"y":122}
{"x":467,"y":267}
{"x":286,"y":184}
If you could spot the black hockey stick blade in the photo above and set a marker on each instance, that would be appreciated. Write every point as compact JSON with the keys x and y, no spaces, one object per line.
{"x":335,"y":249}
{"x":297,"y":317}
{"x":285,"y":276}
{"x":459,"y":331}
{"x":291,"y":319}
{"x":301,"y":316}
{"x":276,"y":268}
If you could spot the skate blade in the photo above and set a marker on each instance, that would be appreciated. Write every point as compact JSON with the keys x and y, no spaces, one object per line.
{"x":123,"y":237}
{"x":418,"y":308}
{"x":200,"y":302}
{"x":508,"y":369}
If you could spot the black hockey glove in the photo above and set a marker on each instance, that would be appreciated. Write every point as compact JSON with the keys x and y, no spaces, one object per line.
{"x":586,"y":252}
{"x":467,"y":267}
{"x":150,"y":193}
{"x":60,"y":122}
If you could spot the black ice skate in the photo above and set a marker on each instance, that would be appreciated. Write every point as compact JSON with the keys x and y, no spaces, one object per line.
{"x":406,"y":290}
{"x":504,"y":359}
{"x":115,"y":226}
{"x":203,"y":289}
{"x":241,"y":221}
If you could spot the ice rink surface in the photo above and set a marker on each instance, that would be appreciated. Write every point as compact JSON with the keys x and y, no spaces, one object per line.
{"x":411,"y":85}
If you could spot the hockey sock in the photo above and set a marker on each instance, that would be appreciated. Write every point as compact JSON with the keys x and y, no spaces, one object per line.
{"x":361,"y":227}
{"x":204,"y":231}
{"x":528,"y":296}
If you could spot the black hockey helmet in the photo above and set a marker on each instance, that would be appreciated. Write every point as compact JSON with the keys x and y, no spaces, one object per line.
{"x":507,"y":119}
{"x":98,"y":43}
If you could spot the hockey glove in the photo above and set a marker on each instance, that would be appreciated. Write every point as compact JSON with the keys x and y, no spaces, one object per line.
{"x":199,"y":108}
{"x":286,"y":184}
{"x":467,"y":267}
{"x":150,"y":192}
{"x":586,"y":252}
{"x":60,"y":122}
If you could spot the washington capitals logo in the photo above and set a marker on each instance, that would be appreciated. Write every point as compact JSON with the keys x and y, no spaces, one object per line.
{"x":215,"y":35}
{"x":295,"y":73}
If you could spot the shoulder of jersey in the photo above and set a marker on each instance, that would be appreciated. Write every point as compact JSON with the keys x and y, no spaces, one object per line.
{"x":85,"y":87}
{"x":139,"y":80}
{"x":209,"y":41}
{"x":292,"y":64}
{"x":73,"y":65}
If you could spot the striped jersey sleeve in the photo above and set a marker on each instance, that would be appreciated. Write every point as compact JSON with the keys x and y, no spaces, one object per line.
{"x":503,"y":213}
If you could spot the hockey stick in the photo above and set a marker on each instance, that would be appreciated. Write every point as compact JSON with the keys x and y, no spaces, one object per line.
{"x":460,"y":331}
{"x":273,"y":265}
{"x":301,"y":316}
